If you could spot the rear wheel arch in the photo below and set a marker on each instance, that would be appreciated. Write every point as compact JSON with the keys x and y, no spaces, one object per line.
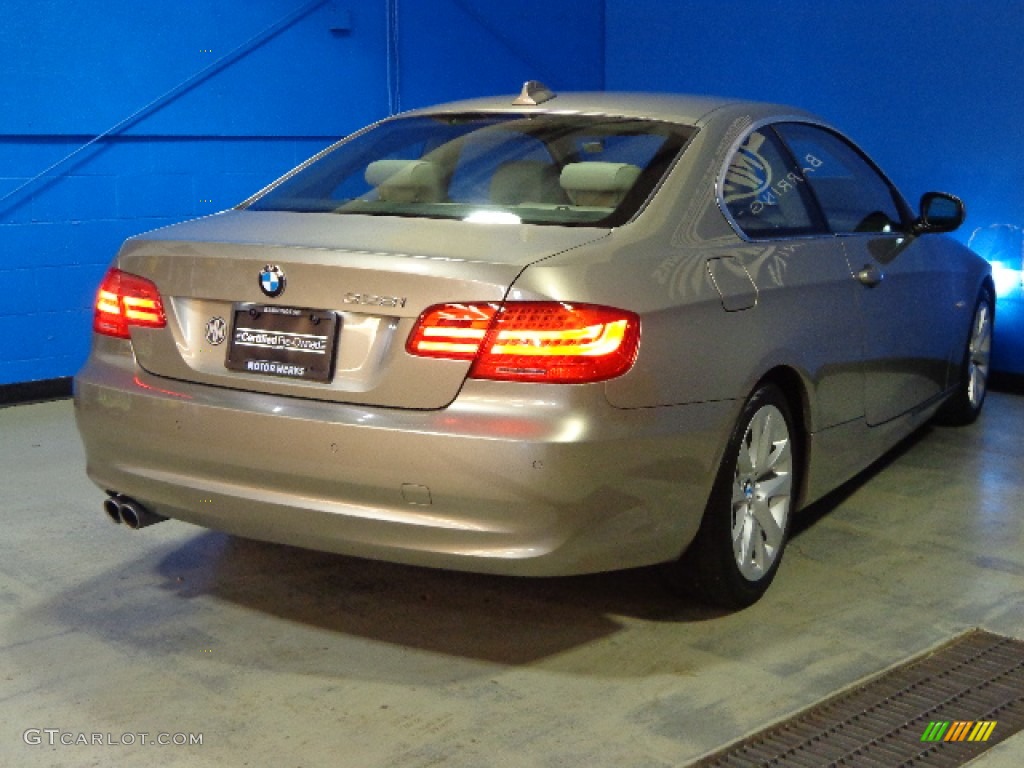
{"x":987,"y":288}
{"x":745,"y":525}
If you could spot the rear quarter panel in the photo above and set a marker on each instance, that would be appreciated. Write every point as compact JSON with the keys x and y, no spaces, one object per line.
{"x":798,"y":311}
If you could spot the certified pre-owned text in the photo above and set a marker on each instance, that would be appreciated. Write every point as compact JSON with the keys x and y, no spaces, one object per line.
{"x":299,"y":342}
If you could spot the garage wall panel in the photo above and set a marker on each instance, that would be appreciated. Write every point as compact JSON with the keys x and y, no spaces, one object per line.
{"x":83,"y":67}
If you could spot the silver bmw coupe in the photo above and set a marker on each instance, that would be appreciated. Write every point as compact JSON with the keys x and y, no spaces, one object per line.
{"x":538,"y":335}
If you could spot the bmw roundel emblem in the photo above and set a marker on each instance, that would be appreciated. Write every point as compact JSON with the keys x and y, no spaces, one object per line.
{"x":272,"y":280}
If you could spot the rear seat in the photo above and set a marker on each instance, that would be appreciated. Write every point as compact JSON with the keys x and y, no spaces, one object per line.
{"x":526,"y":181}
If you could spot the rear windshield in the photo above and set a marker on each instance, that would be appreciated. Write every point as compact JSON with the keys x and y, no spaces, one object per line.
{"x":542,"y":169}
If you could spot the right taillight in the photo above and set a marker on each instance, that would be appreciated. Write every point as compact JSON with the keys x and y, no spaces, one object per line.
{"x":546,"y":341}
{"x":125,"y":300}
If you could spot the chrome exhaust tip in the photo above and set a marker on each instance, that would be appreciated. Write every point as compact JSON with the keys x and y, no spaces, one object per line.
{"x":130,"y":514}
{"x":112,"y":507}
{"x":122,"y":509}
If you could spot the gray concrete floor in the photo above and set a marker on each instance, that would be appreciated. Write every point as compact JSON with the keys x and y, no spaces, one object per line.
{"x":283,"y":657}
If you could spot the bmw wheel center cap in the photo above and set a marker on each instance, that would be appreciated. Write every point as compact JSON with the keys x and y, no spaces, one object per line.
{"x":272,"y":281}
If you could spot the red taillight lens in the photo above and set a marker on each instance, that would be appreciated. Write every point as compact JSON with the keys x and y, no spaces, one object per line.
{"x":125,"y":300}
{"x":531,"y":340}
{"x":453,"y":331}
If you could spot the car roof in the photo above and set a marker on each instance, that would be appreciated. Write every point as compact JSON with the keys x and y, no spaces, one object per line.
{"x":677,"y":108}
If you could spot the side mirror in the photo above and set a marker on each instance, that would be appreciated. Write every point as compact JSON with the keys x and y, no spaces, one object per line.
{"x":939,"y":213}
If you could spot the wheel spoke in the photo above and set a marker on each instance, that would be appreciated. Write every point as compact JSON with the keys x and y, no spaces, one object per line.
{"x":767,"y":522}
{"x":774,"y":486}
{"x":762,"y":558}
{"x":739,"y":498}
{"x":761,"y":429}
{"x":977,"y":384}
{"x":981,"y":339}
{"x":779,"y":456}
{"x":741,"y":539}
{"x":745,"y":460}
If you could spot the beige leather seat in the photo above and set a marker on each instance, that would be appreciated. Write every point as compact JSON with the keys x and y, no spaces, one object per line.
{"x":526,"y":181}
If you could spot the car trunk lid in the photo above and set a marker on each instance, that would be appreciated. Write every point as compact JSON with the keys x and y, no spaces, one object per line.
{"x":374,"y":274}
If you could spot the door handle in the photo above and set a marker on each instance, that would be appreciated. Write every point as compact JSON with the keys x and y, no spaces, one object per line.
{"x":870,"y":275}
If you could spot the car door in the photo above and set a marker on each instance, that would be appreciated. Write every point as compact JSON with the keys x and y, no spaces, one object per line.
{"x":905,"y":299}
{"x":806,"y":299}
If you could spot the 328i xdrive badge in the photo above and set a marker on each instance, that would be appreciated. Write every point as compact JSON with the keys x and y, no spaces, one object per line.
{"x":272,"y":281}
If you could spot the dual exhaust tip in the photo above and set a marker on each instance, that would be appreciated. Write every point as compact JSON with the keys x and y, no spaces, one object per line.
{"x":123,"y":509}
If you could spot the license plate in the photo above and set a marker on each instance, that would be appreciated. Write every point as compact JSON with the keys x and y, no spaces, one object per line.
{"x":283,"y":341}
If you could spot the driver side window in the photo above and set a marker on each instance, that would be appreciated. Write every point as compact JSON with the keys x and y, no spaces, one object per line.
{"x":853,"y":195}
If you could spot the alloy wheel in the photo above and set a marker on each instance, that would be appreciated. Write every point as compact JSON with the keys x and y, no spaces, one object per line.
{"x":979,"y":354}
{"x":762,"y":492}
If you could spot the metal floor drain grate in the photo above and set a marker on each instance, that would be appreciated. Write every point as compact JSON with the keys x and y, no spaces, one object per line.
{"x":941,"y":709}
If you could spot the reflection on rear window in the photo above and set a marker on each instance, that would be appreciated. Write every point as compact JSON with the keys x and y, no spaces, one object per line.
{"x":544,"y":169}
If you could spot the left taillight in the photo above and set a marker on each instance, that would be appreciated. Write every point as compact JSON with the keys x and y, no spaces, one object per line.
{"x":124,"y":300}
{"x":554,"y":342}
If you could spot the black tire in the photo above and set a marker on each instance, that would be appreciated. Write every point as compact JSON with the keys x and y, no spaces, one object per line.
{"x":715,"y":569}
{"x":964,"y":406}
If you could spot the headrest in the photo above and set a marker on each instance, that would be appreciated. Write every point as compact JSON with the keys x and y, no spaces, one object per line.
{"x":406,"y":181}
{"x":402,"y":173}
{"x":599,"y":177}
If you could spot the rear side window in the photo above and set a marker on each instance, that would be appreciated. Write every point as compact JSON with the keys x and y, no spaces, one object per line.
{"x":765,"y":190}
{"x":853,"y":195}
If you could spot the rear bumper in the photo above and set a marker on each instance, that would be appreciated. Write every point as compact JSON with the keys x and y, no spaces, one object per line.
{"x":539,"y":480}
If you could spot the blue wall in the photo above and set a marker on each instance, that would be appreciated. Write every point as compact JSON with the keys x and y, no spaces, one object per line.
{"x":199,"y":104}
{"x":930,"y":88}
{"x":453,"y":49}
{"x":207,"y":103}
